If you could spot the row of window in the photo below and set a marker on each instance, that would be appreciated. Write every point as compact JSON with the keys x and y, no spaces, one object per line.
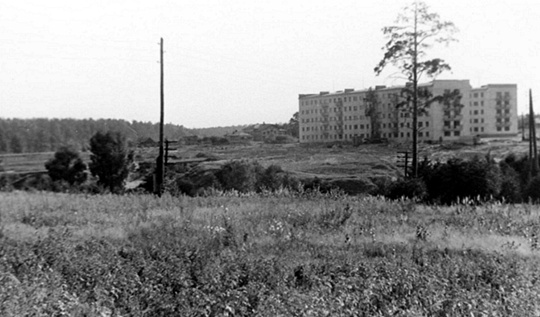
{"x":335,"y":127}
{"x":499,"y":94}
{"x":421,"y":124}
{"x":383,"y":116}
{"x":481,"y":129}
{"x":362,"y":136}
{"x":476,"y":112}
{"x":499,"y":103}
{"x":334,"y":109}
{"x":329,"y":100}
{"x":330,"y":119}
{"x":449,"y":133}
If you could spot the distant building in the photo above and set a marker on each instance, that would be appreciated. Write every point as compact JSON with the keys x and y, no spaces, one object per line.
{"x":148,"y":142}
{"x":238,"y":137}
{"x":488,"y":111}
{"x":262,"y":132}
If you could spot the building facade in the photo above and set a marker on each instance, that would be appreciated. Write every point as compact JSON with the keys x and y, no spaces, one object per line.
{"x":352,"y":115}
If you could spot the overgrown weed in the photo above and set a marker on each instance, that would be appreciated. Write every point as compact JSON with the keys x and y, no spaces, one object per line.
{"x":249,"y":255}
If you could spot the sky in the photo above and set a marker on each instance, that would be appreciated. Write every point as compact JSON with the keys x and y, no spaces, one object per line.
{"x":235,"y":62}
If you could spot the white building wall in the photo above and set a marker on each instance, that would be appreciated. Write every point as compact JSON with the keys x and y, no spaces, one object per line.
{"x":341,"y":116}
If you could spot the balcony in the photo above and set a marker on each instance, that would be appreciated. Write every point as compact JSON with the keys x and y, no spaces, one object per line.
{"x":503,"y":107}
{"x":458,"y":117}
{"x":454,"y":128}
{"x":503,"y":115}
{"x":451,"y":107}
{"x":503,"y":124}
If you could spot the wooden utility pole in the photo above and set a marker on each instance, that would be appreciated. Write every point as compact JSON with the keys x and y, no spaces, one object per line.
{"x":414,"y":171}
{"x":533,"y":151}
{"x":523,"y":128}
{"x":160,"y":168}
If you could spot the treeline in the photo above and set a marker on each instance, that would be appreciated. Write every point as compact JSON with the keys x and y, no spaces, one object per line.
{"x":44,"y":135}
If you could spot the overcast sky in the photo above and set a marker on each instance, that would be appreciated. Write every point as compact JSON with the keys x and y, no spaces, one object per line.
{"x":235,"y":62}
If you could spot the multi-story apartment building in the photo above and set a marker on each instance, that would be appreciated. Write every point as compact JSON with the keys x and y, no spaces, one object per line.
{"x":488,"y":111}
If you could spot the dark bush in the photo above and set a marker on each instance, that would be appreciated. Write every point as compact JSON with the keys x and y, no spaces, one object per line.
{"x":67,"y":166}
{"x":408,"y":188}
{"x":521,"y":166}
{"x":274,"y":178}
{"x":242,"y":175}
{"x":382,"y":186}
{"x":271,"y":178}
{"x":511,"y":189}
{"x":532,"y":191}
{"x":456,"y":179}
{"x":195,"y":187}
{"x":111,"y":159}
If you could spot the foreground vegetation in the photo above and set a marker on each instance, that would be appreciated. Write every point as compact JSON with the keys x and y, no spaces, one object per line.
{"x":305,"y":254}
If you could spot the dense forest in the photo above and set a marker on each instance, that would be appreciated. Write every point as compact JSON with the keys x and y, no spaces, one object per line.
{"x":46,"y":135}
{"x":43,"y":135}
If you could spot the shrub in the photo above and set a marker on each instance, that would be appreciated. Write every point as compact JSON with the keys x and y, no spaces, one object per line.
{"x":110,"y":159}
{"x":522,"y":166}
{"x":532,"y":191}
{"x":510,"y":185}
{"x":457,"y":178}
{"x":195,"y":187}
{"x":67,"y":166}
{"x":382,"y":186}
{"x":241,"y":176}
{"x":408,"y":187}
{"x":271,"y":178}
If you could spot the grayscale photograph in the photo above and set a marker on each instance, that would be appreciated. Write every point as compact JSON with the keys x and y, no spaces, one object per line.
{"x":269,"y":158}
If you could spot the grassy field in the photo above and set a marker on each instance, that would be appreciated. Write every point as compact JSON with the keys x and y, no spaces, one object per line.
{"x":273,"y":255}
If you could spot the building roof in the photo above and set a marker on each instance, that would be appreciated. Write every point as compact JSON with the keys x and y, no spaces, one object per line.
{"x":350,"y":91}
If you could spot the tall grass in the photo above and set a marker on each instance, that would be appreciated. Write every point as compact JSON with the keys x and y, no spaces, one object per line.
{"x":264,"y":255}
